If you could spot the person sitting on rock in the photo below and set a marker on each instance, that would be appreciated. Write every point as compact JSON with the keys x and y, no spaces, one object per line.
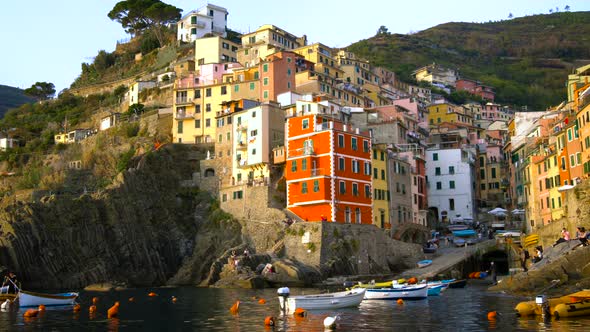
{"x":582,"y":236}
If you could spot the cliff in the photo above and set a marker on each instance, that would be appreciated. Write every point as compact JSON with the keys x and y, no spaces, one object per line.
{"x":136,"y":232}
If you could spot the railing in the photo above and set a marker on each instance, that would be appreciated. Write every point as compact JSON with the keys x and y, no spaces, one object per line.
{"x":183,"y":101}
{"x":184,"y":115}
{"x":318,"y":171}
{"x":306,"y":151}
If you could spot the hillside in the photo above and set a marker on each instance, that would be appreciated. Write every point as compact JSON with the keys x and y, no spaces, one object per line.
{"x":525,"y":59}
{"x":11,"y":97}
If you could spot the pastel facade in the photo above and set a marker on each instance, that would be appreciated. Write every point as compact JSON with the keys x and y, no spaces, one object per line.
{"x":436,"y":75}
{"x":8,"y":143}
{"x":265,"y":41}
{"x":381,"y":193}
{"x":209,"y":19}
{"x":136,"y":88}
{"x":215,"y":50}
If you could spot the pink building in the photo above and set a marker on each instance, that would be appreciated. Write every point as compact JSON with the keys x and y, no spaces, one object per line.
{"x":476,"y":88}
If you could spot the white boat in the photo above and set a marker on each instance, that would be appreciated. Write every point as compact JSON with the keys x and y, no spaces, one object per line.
{"x":31,"y":299}
{"x":411,"y":292}
{"x":350,"y":298}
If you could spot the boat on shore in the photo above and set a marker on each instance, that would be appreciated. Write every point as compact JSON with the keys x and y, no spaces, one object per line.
{"x":328,"y":301}
{"x":411,"y":292}
{"x":424,"y":263}
{"x":32,"y":299}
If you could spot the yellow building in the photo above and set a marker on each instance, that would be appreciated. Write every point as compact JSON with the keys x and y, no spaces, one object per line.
{"x":579,"y":78}
{"x":381,"y":193}
{"x":355,"y":70}
{"x":448,"y":112}
{"x":266,"y":40}
{"x":531,"y":192}
{"x":215,"y":50}
{"x":555,"y":199}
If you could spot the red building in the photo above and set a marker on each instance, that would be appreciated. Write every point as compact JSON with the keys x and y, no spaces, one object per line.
{"x":476,"y":88}
{"x":328,"y":170}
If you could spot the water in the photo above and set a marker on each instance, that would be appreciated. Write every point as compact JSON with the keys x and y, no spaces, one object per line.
{"x":200,"y":309}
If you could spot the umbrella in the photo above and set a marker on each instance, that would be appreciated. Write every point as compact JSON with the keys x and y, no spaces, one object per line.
{"x":498,"y":211}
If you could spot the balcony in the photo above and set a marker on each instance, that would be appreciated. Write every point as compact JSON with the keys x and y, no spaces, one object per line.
{"x":241,"y":145}
{"x":183,"y":101}
{"x":200,"y":25}
{"x":318,"y":172}
{"x":242,"y":163}
{"x":305,"y":151}
{"x":183,"y":115}
{"x":241,"y":127}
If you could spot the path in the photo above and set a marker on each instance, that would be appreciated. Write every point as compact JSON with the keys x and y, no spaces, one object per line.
{"x":446,"y":258}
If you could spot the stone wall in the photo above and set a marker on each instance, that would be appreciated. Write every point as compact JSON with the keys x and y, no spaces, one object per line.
{"x":253,"y":206}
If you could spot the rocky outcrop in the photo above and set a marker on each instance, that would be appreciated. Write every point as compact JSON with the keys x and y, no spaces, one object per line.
{"x":138,"y":232}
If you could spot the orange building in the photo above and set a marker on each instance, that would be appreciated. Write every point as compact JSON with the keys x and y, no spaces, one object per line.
{"x":328,"y":170}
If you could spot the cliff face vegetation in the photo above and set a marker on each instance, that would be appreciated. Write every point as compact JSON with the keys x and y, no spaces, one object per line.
{"x":137,"y":231}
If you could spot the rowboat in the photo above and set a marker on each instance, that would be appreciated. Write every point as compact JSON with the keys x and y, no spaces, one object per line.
{"x":329,"y":301}
{"x":31,"y":299}
{"x":414,"y":292}
{"x":424,"y":263}
{"x":458,"y":283}
{"x":435,"y":290}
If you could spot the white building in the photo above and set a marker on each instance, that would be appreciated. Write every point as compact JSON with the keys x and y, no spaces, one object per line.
{"x":451,"y":182}
{"x":7,"y":143}
{"x":197,"y":23}
{"x":136,"y":88}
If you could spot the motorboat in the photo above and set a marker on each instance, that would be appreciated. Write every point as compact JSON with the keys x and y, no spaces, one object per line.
{"x":327,"y":301}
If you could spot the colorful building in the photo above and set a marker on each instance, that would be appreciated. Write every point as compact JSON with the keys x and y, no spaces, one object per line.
{"x":381,"y":193}
{"x":209,"y":19}
{"x":328,"y":170}
{"x":215,"y":50}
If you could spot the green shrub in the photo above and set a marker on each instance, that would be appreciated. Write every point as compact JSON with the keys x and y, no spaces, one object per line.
{"x":124,"y":160}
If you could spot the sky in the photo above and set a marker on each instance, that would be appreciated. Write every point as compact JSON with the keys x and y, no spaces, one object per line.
{"x":47,"y":41}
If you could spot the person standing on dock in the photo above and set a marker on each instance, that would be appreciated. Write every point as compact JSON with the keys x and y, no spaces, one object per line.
{"x":493,"y":273}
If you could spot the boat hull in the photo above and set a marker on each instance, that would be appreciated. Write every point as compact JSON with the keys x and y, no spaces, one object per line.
{"x":351,"y":298}
{"x":31,"y":299}
{"x":435,"y":290}
{"x":424,"y":263}
{"x":406,"y":293}
{"x":458,"y":283}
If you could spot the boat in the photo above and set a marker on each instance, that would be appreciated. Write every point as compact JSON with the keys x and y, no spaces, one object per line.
{"x":435,"y":290}
{"x":328,"y":301}
{"x":571,"y":305}
{"x":32,"y":299}
{"x":429,"y":250}
{"x":572,"y":309}
{"x":459,"y":242}
{"x":413,"y":292}
{"x":457,"y":227}
{"x":458,"y":283}
{"x":464,"y":233}
{"x":424,"y":263}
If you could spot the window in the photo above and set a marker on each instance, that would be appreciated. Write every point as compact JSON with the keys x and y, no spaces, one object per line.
{"x":208,"y":92}
{"x":367,"y":191}
{"x":252,"y":86}
{"x":316,"y":186}
{"x":365,"y":146}
{"x":482,"y":186}
{"x":342,"y":187}
{"x":207,"y":123}
{"x":254,"y":114}
{"x":451,"y":169}
{"x":265,"y":81}
{"x":375,"y":173}
{"x":572,"y":160}
{"x":254,"y":132}
{"x":305,"y":123}
{"x":180,"y":127}
{"x":493,"y":173}
{"x":207,"y":107}
{"x":265,"y":94}
{"x":265,"y":67}
{"x":579,"y":158}
{"x":435,"y":156}
{"x":238,"y":194}
{"x":437,"y":171}
{"x":382,"y":155}
{"x":197,"y":94}
{"x":355,"y":189}
{"x":357,"y":213}
{"x":304,"y":187}
{"x":253,"y":151}
{"x":382,"y":174}
{"x":197,"y":123}
{"x":304,"y":164}
{"x":438,"y":185}
{"x":452,"y":204}
{"x":452,"y":184}
{"x":224,"y":90}
{"x":374,"y":154}
{"x":340,"y":141}
{"x":256,"y":75}
{"x":367,"y":169}
{"x":355,"y":166}
{"x":482,"y":174}
{"x":294,"y":166}
{"x":354,"y":143}
{"x":341,"y":163}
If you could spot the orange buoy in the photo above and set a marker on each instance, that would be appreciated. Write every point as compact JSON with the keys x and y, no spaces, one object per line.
{"x":262,"y":301}
{"x":235,"y":308}
{"x":92,"y":309}
{"x":42,"y":308}
{"x":269,"y":321}
{"x":492,"y":315}
{"x":152,"y":294}
{"x":174,"y":299}
{"x":299,"y":312}
{"x":113,"y":311}
{"x":477,"y":275}
{"x":31,"y":313}
{"x":412,"y":281}
{"x":95,"y":300}
{"x":131,"y":299}
{"x":400,"y":301}
{"x":77,"y":307}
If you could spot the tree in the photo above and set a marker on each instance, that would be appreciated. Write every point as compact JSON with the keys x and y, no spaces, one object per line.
{"x":567,"y":8}
{"x":382,"y":30}
{"x":510,"y":15}
{"x":137,"y":16}
{"x":41,"y":91}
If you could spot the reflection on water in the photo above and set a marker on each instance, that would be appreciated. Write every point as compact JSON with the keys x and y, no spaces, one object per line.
{"x":208,"y":310}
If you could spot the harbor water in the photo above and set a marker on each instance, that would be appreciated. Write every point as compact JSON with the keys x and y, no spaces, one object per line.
{"x":205,"y":309}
